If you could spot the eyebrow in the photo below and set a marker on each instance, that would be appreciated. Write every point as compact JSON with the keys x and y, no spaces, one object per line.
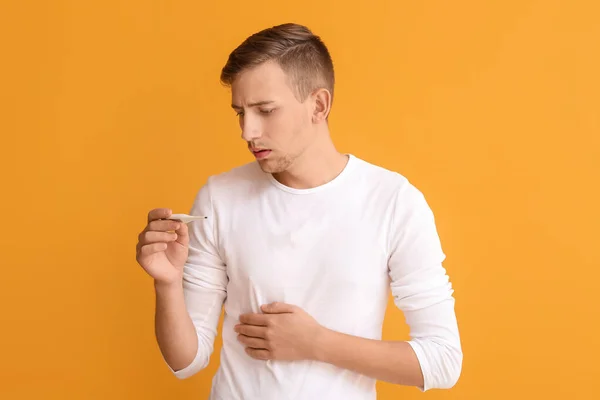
{"x":258,"y":103}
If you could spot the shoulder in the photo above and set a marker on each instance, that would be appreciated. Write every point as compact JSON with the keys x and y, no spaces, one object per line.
{"x":379,"y":176}
{"x":403,"y":193}
{"x":243,"y":174}
{"x":233,"y":184}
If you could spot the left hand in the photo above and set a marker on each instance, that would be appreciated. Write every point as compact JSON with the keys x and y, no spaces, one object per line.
{"x":283,"y":332}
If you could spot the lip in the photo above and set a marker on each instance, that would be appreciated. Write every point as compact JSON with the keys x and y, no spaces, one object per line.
{"x":260,"y":153}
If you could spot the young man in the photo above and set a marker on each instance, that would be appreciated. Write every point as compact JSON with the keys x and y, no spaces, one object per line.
{"x":301,"y":248}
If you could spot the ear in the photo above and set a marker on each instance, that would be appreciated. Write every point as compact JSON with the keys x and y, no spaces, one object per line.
{"x":322,"y":105}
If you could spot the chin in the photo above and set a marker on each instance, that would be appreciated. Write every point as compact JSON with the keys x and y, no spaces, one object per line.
{"x":266,"y":167}
{"x":273,"y":166}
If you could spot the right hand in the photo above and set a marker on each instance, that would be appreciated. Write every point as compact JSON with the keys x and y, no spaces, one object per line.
{"x":160,"y":252}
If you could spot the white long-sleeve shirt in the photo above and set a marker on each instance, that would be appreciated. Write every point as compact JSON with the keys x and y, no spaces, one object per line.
{"x":335,"y":250}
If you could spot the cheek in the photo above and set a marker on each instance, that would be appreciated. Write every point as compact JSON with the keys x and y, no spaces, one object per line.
{"x":286,"y":129}
{"x":279,"y":127}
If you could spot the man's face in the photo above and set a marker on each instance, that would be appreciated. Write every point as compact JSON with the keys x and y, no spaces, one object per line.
{"x":276,"y":126}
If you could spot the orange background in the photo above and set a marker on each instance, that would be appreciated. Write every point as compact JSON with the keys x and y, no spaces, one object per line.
{"x":110,"y":108}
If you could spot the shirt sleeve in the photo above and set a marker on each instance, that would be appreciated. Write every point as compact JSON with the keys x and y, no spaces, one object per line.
{"x":422,"y":290}
{"x":204,"y":282}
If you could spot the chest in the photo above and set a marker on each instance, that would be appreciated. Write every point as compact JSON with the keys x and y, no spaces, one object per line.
{"x":306,"y":249}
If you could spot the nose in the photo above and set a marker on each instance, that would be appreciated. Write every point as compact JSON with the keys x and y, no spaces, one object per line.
{"x":250,"y":128}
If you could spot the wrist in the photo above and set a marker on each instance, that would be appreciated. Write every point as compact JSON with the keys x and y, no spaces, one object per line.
{"x":168,"y":287}
{"x":322,"y":344}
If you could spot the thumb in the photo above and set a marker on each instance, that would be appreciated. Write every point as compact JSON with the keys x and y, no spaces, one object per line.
{"x":183,"y":237}
{"x":277,"y":308}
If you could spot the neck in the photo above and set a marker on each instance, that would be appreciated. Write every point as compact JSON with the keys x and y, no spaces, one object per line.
{"x":317,"y":165}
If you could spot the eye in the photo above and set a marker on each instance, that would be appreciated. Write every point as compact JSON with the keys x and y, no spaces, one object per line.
{"x":267,"y":111}
{"x":239,"y":114}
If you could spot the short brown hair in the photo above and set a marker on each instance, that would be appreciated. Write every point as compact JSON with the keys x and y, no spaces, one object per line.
{"x":301,"y":54}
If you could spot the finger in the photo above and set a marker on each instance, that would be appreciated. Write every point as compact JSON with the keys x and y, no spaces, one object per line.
{"x":259,"y":354}
{"x":159,"y":213}
{"x":253,"y":342}
{"x":151,"y":249}
{"x":155,"y":237}
{"x":182,"y":234}
{"x":278,"y":308}
{"x":254,"y":319}
{"x":163,"y":225}
{"x":252,"y":331}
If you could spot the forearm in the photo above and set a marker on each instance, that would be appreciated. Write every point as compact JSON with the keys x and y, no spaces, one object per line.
{"x":389,"y":361}
{"x":174,"y":329}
